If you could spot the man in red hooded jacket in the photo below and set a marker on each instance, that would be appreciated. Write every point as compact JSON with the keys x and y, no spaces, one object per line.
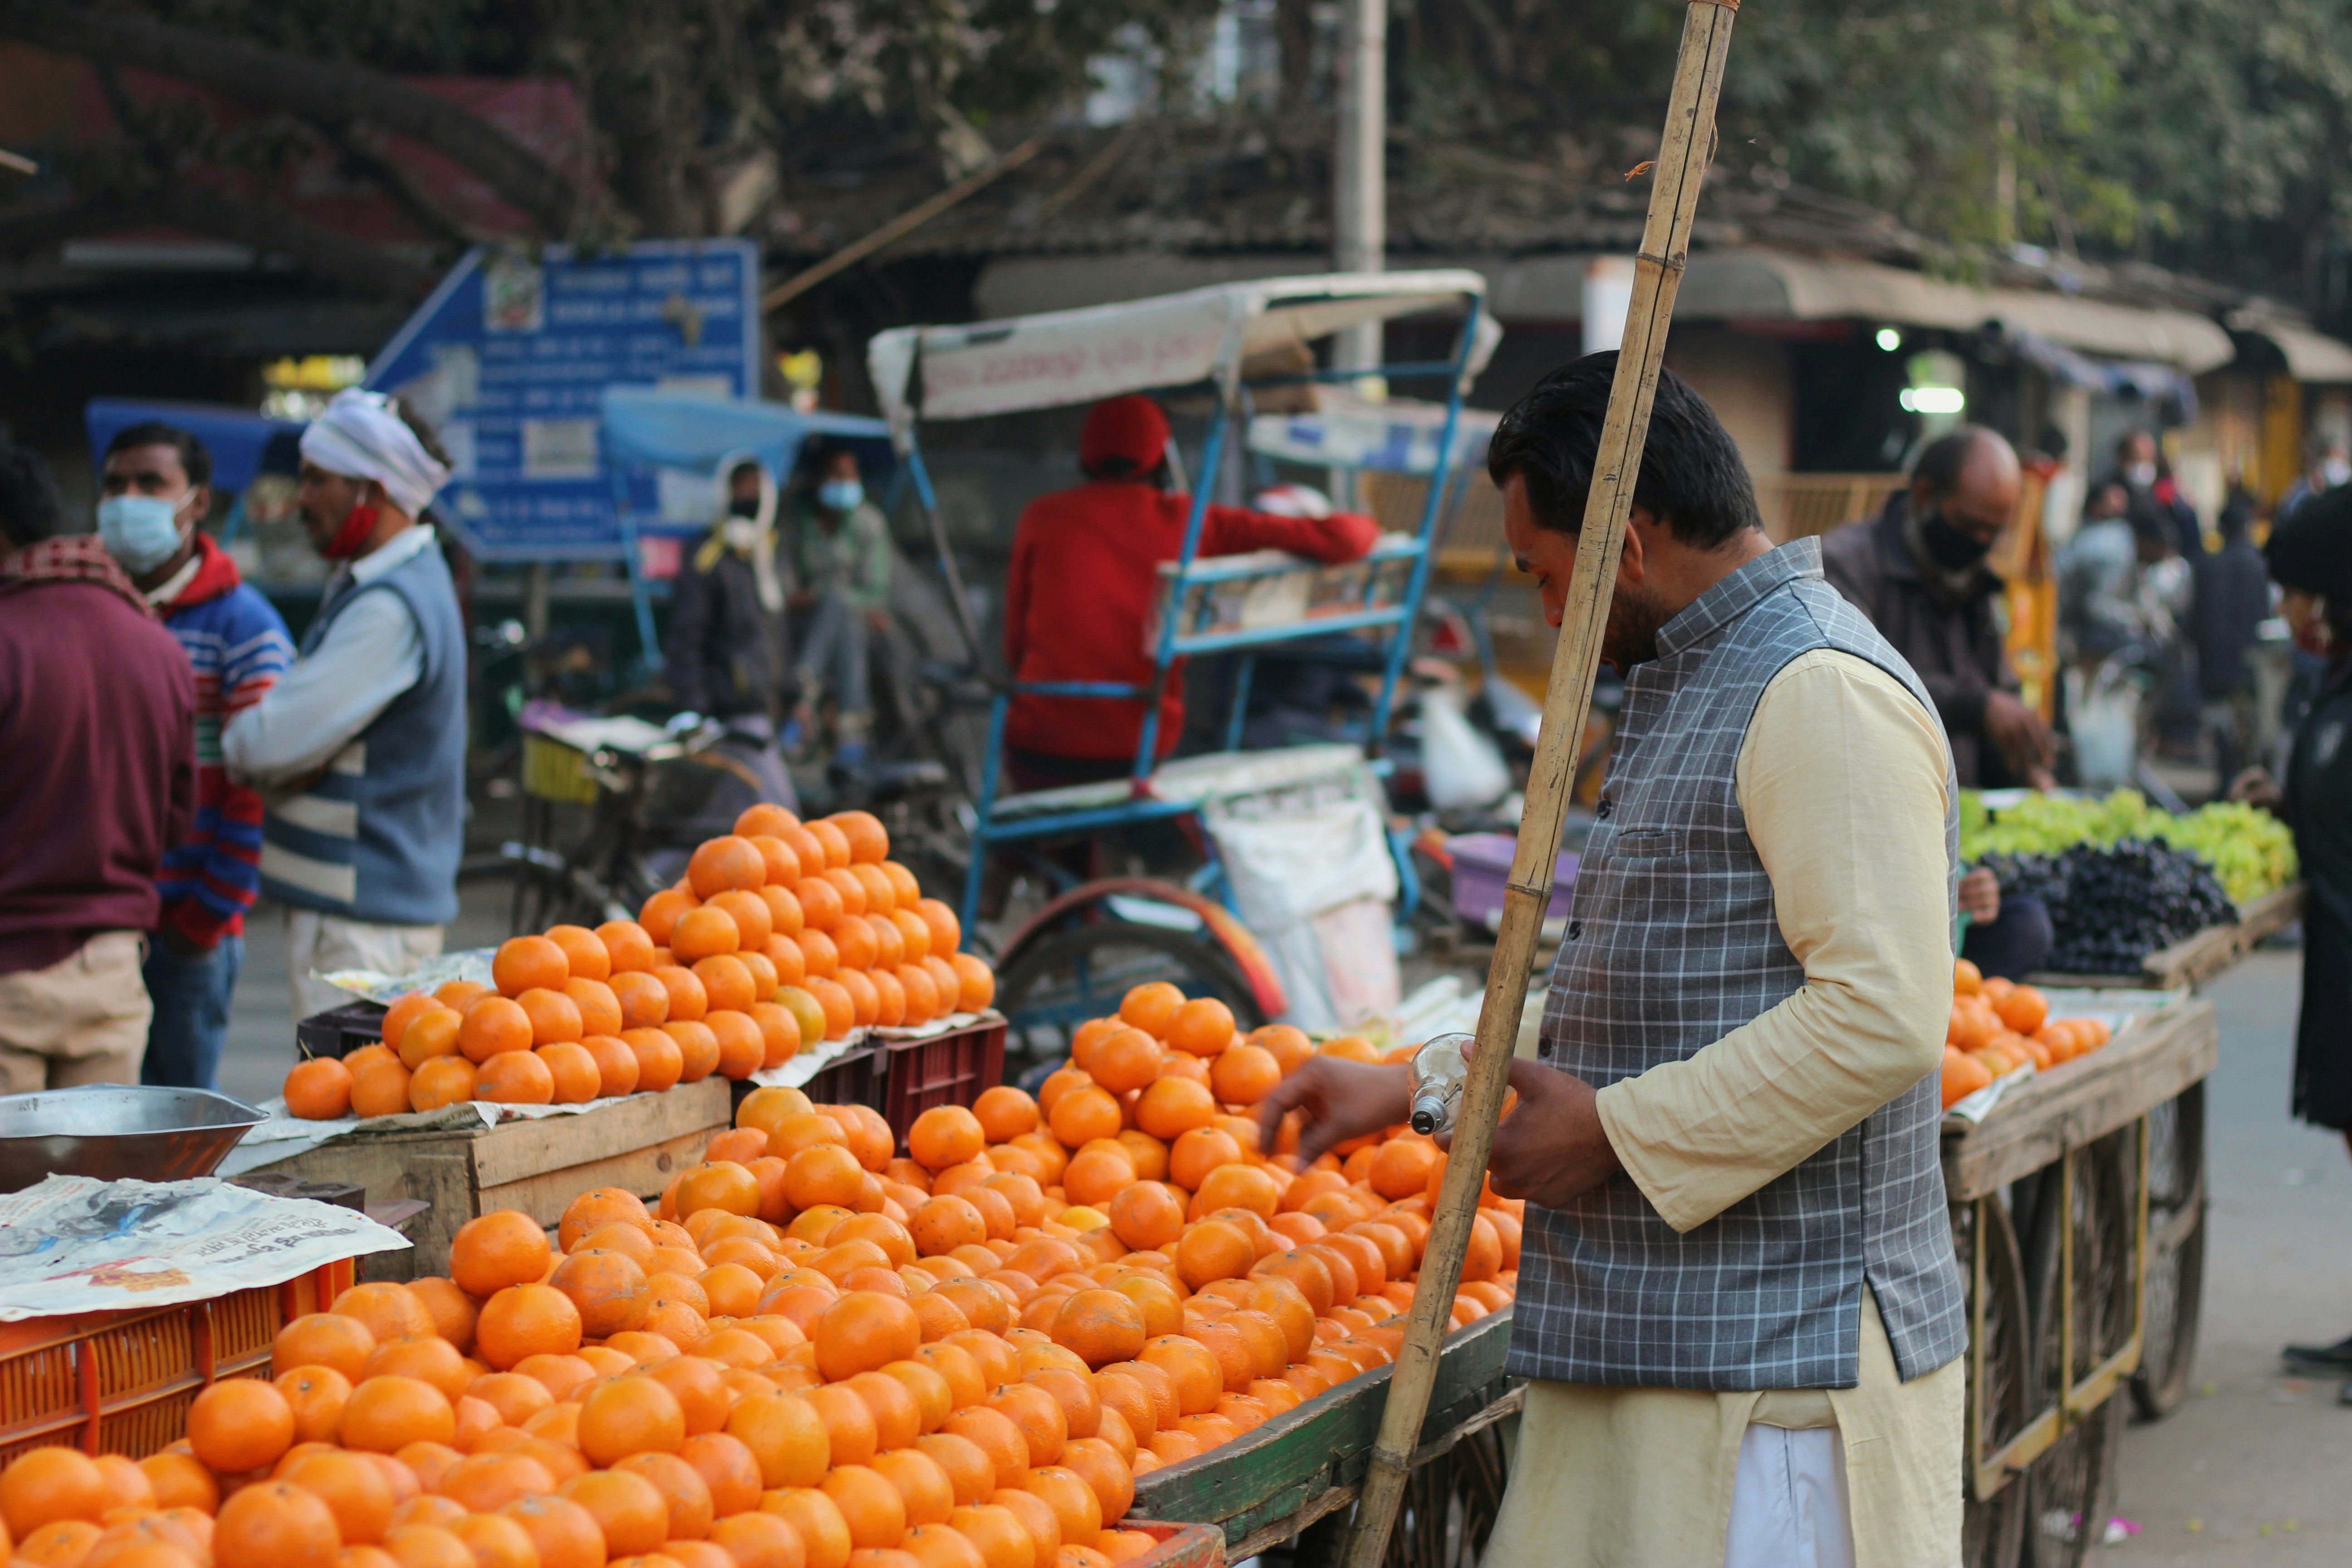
{"x":1086,"y":566}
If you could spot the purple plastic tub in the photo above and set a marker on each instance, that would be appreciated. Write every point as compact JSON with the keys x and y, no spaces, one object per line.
{"x":1481,"y":865}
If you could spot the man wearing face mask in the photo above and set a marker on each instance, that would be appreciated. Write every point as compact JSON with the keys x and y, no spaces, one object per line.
{"x":725,"y":655}
{"x":155,"y":486}
{"x":362,"y":745}
{"x":841,"y":550}
{"x":1919,"y":572}
{"x":2141,"y":469}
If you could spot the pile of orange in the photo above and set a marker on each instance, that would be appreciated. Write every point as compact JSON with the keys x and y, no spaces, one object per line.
{"x":815,"y":1355}
{"x":1999,"y":1026}
{"x":781,"y":934}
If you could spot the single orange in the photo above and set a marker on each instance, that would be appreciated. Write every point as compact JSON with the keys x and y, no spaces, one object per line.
{"x":628,"y":947}
{"x":629,"y":1510}
{"x":495,"y":1025}
{"x":525,"y":1320}
{"x":335,"y":1340}
{"x":658,"y":1058}
{"x":318,"y":1089}
{"x":523,"y":963}
{"x":277,"y":1525}
{"x":573,"y":1072}
{"x":816,"y":1520}
{"x":515,"y":1077}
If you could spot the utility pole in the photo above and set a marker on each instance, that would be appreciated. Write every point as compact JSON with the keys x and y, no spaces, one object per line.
{"x":1359,"y":209}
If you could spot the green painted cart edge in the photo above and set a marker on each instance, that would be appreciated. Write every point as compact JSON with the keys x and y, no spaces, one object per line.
{"x":1282,"y":1468}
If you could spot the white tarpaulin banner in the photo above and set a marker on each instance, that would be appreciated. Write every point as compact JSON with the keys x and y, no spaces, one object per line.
{"x":1066,"y":357}
{"x":74,"y":1244}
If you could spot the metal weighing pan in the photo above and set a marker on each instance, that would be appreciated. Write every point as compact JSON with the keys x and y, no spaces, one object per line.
{"x":116,"y":1131}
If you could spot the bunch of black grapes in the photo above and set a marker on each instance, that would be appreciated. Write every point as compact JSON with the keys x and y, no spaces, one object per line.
{"x":2114,"y":906}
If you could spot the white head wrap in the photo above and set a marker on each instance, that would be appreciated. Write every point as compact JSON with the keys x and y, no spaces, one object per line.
{"x":360,"y":436}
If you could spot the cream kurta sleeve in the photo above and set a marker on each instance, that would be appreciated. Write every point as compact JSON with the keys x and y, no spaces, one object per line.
{"x":1841,"y":781}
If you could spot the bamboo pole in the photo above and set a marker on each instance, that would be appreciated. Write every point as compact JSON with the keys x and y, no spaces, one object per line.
{"x":899,"y":227}
{"x":1683,"y":155}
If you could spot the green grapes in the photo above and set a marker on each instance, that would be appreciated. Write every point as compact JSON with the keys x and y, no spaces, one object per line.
{"x":2250,"y":851}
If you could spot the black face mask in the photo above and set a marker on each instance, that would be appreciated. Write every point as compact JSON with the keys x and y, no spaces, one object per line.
{"x":743,"y":506}
{"x":1954,"y":548}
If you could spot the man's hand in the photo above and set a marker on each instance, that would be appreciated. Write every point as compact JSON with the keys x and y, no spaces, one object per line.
{"x":2256,"y":788}
{"x":1551,"y":1148}
{"x":1341,"y":1099}
{"x":1980,"y":897}
{"x":2022,"y":736}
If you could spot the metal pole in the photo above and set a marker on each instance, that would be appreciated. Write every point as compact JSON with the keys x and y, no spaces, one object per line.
{"x":1360,"y":209}
{"x":1683,"y":155}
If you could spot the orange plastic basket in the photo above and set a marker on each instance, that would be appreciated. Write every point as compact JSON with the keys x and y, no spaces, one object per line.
{"x":121,"y":1382}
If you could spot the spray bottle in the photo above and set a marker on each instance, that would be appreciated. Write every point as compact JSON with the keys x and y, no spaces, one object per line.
{"x":1440,"y":1072}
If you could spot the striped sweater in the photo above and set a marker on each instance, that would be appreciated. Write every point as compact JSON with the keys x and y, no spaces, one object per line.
{"x":239,"y":644}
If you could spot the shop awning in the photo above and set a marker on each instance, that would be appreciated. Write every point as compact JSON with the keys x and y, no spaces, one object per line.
{"x":1757,"y":282}
{"x":2311,"y":355}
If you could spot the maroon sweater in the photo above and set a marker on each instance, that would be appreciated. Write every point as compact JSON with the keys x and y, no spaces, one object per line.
{"x":96,"y":725}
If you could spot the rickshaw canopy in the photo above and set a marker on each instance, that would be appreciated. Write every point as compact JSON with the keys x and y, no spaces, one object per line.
{"x":1064,"y":357}
{"x":693,"y":431}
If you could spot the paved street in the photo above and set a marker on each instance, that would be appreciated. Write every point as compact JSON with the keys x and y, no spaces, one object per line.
{"x":2253,"y":1469}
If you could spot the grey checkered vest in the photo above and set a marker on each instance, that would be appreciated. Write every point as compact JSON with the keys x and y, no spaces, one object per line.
{"x":1671,"y":944}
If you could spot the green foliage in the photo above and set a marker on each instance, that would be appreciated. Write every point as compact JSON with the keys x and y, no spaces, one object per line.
{"x":2250,"y":851}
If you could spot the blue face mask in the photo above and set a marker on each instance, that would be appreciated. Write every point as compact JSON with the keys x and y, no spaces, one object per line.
{"x":140,"y":532}
{"x":840,"y":495}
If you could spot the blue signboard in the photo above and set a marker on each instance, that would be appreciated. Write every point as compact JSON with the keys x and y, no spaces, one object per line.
{"x":509,"y":360}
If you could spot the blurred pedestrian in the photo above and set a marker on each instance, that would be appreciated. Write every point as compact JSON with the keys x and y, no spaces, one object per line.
{"x":96,"y":780}
{"x":2326,"y":465}
{"x":2143,"y":469}
{"x":2098,"y":579}
{"x":361,"y":745}
{"x":841,"y":553}
{"x":1918,"y":571}
{"x":156,"y":488}
{"x":2232,"y":601}
{"x":728,"y":656}
{"x":2311,"y":560}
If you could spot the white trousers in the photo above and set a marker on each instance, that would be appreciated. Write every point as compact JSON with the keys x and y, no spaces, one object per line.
{"x":319,"y":944}
{"x":1789,"y":1507}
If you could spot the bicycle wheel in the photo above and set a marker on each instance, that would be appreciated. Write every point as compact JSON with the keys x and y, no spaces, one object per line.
{"x":2176,"y":1263}
{"x":1992,"y":1530}
{"x":2071,"y":1489}
{"x":1051,"y":986}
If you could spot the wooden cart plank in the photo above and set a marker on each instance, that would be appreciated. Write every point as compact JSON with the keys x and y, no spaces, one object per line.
{"x":2150,"y":1061}
{"x":644,"y":1172}
{"x":515,"y":1151}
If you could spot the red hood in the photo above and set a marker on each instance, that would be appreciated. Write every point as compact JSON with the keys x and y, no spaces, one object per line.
{"x":217,"y":573}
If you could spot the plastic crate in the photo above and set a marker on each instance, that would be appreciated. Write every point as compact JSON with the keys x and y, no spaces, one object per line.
{"x":121,"y":1382}
{"x":943,"y":1069}
{"x":340,"y":1031}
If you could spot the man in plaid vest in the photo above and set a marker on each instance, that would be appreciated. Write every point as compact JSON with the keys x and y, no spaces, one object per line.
{"x":1738,"y":1301}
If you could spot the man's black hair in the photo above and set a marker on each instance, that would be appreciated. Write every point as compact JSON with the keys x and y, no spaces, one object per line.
{"x":194,"y":460}
{"x":29,"y":509}
{"x":1941,"y":460}
{"x":818,"y":451}
{"x":1692,"y":479}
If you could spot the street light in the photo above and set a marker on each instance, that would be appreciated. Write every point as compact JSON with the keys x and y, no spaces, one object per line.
{"x":1889,"y":338}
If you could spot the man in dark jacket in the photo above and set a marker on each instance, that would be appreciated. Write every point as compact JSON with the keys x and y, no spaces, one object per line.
{"x":98,"y":734}
{"x":728,"y":653}
{"x":1918,"y":571}
{"x":2233,"y":599}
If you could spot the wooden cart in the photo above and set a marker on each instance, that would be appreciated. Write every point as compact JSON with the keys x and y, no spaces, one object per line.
{"x":537,"y":1165}
{"x":1295,"y":1477}
{"x":2078,"y":1208}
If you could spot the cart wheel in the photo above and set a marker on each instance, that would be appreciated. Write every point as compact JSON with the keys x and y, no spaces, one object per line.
{"x":1992,"y":1530}
{"x":2175,"y":1248}
{"x":1048,"y":988}
{"x":1444,"y":1520}
{"x":2071,"y":1489}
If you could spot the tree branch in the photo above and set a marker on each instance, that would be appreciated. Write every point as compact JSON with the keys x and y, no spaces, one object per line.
{"x":329,"y":93}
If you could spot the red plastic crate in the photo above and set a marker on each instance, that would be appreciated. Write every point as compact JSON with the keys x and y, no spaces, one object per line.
{"x":121,"y":1382}
{"x":943,"y":1069}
